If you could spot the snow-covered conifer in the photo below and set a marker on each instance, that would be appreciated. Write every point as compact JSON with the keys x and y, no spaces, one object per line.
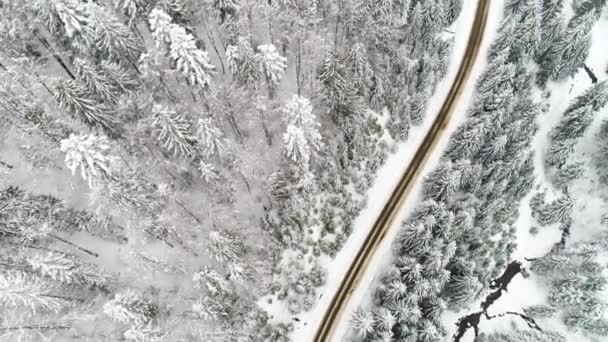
{"x":302,"y":136}
{"x":226,"y":8}
{"x":385,"y":320}
{"x":24,"y":290}
{"x":540,"y":311}
{"x":559,"y":210}
{"x":442,"y":184}
{"x":193,"y":62}
{"x":131,"y":8}
{"x":244,"y":62}
{"x":363,"y":322}
{"x":63,"y":16}
{"x":172,"y":131}
{"x":360,"y":67}
{"x":209,"y":309}
{"x":212,"y":281}
{"x":89,"y":154}
{"x":75,"y":99}
{"x":160,"y":25}
{"x":224,"y":246}
{"x":181,"y":47}
{"x":129,"y":307}
{"x":110,"y":37}
{"x":144,"y":333}
{"x":210,"y":137}
{"x":208,"y":172}
{"x":572,"y":47}
{"x":272,"y":63}
{"x":65,"y":269}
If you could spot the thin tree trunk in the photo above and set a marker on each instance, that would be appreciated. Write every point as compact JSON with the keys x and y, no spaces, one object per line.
{"x":66,"y":298}
{"x":233,"y":123}
{"x":56,"y":56}
{"x":48,"y":250}
{"x":73,"y":245}
{"x":265,"y":128}
{"x":6,"y":165}
{"x":214,"y":46}
{"x":299,"y":65}
{"x":246,"y":182}
{"x":188,"y":211}
{"x":42,"y":327}
{"x":590,"y":73}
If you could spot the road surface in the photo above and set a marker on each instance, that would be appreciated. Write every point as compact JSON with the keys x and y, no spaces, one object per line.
{"x":359,"y":265}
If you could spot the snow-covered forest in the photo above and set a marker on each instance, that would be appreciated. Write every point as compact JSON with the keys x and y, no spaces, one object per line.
{"x":183,"y":170}
{"x":166,"y":164}
{"x":520,"y":194}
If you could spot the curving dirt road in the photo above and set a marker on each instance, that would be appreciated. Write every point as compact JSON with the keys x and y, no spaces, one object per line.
{"x":412,"y":174}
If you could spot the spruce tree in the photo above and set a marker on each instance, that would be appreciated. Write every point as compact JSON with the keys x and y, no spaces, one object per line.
{"x":172,"y":131}
{"x":88,"y":153}
{"x":76,"y":100}
{"x":131,"y":308}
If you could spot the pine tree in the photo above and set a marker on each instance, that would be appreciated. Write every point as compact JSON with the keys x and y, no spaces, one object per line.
{"x":227,"y":8}
{"x":363,"y":322}
{"x":540,"y":311}
{"x":208,"y":171}
{"x":110,"y":37}
{"x":133,"y":9}
{"x":244,"y":62}
{"x":20,"y":289}
{"x":66,"y":269}
{"x":88,"y":153}
{"x":75,"y":99}
{"x":302,"y":136}
{"x":67,"y":17}
{"x":225,"y":247}
{"x":181,"y":47}
{"x":210,"y":137}
{"x":97,"y":83}
{"x":172,"y":131}
{"x":443,"y":183}
{"x":272,"y":64}
{"x":189,"y":59}
{"x":576,"y":120}
{"x":572,"y":48}
{"x":130,"y":308}
{"x":145,"y":333}
{"x":358,"y":64}
{"x":452,"y":11}
{"x":212,"y":281}
{"x":209,"y":309}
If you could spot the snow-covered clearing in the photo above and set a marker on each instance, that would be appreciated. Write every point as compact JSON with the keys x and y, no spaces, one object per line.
{"x":385,"y":182}
{"x":588,"y":211}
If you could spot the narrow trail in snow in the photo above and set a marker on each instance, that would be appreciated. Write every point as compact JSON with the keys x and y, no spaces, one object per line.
{"x":367,"y":251}
{"x":499,"y":285}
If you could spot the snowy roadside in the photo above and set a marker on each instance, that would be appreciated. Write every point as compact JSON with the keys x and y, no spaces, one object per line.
{"x":385,"y":182}
{"x":523,"y":292}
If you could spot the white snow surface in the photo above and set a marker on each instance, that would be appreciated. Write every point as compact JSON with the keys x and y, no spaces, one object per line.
{"x":387,"y":178}
{"x":589,"y":206}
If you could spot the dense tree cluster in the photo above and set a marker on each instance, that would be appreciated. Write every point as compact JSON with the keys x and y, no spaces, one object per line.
{"x":463,"y":231}
{"x":577,"y":279}
{"x":272,"y":110}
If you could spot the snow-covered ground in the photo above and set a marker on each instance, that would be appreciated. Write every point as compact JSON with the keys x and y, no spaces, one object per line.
{"x":589,"y":206}
{"x":386,"y":180}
